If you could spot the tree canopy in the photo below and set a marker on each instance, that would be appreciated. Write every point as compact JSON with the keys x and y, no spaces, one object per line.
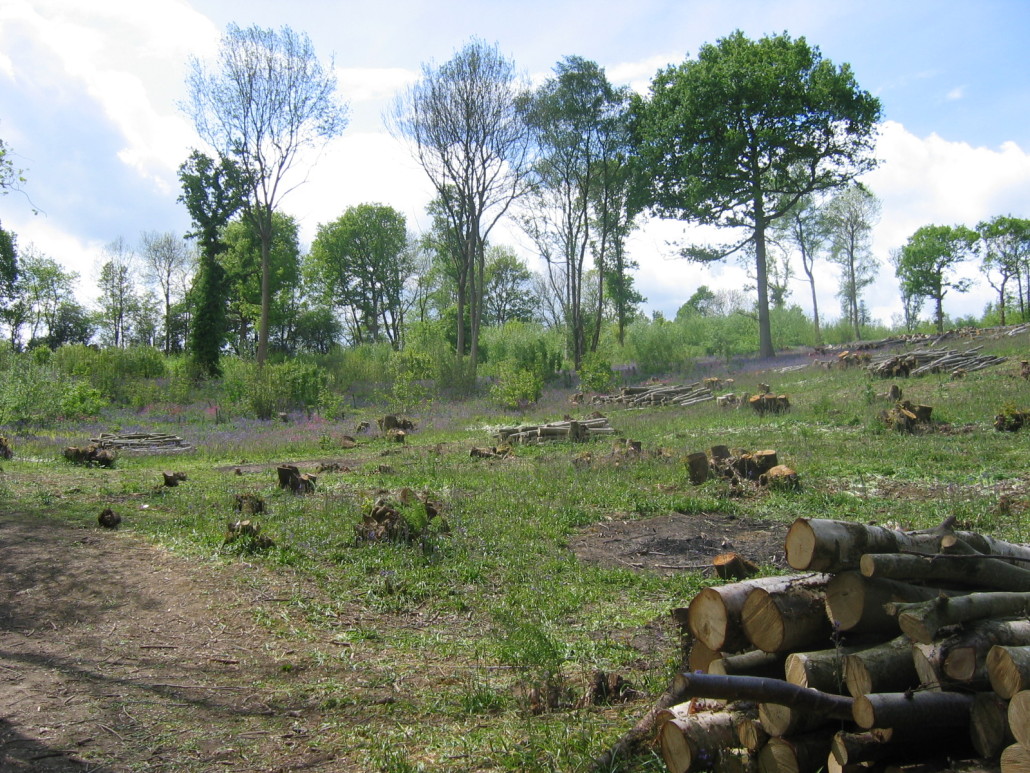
{"x":736,"y":137}
{"x":926,"y":265}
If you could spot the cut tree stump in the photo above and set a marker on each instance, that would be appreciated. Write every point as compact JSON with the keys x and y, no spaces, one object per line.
{"x":294,"y":480}
{"x":697,"y":468}
{"x":733,"y":566}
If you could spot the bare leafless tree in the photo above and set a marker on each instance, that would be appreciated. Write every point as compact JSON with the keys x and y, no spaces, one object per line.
{"x":266,"y":99}
{"x":467,"y":130}
{"x":166,"y":260}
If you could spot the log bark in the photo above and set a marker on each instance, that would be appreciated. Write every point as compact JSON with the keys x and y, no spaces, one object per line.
{"x":779,"y":720}
{"x":921,"y":621}
{"x":855,"y":603}
{"x":763,"y":691}
{"x":694,"y":741}
{"x":821,"y":670}
{"x":1008,"y":668}
{"x":965,"y":657}
{"x":1019,"y":717}
{"x":800,"y":754}
{"x":886,"y":668}
{"x":913,"y":709}
{"x":714,"y":614}
{"x":988,"y":724}
{"x":751,"y":734}
{"x":1015,"y":759}
{"x":897,"y":745}
{"x":793,"y":618}
{"x":823,"y":545}
{"x":971,"y":571}
{"x":753,"y":663}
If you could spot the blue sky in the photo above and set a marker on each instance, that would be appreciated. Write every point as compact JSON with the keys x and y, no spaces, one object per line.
{"x":89,"y":92}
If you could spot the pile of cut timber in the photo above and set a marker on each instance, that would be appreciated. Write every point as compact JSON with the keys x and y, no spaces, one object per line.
{"x":893,"y":647}
{"x":143,"y":442}
{"x":584,"y":429}
{"x":923,"y":362}
{"x":662,"y":394}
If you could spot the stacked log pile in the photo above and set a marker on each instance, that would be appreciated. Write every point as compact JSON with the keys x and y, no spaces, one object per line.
{"x":662,"y":394}
{"x":890,"y":647}
{"x":926,"y":361}
{"x":142,"y":442}
{"x":569,"y":429}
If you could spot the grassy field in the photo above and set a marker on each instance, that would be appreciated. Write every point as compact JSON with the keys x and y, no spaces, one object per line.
{"x":487,"y":610}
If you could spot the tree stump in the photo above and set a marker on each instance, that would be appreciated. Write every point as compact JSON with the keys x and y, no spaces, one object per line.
{"x":697,"y":468}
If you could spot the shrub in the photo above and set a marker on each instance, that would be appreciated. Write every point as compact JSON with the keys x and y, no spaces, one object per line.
{"x":595,"y":373}
{"x":517,"y":387}
{"x":274,"y":388}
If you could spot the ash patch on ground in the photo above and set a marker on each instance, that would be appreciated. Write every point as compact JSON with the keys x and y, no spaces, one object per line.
{"x":676,"y":543}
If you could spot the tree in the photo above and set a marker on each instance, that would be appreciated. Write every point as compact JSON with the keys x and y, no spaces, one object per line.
{"x":117,"y":291}
{"x":10,"y":177}
{"x":579,"y":206}
{"x":213,"y":192}
{"x":848,"y":220}
{"x":509,"y":294}
{"x":737,"y":137}
{"x":927,"y":263}
{"x":43,"y":287}
{"x":165,"y":259}
{"x":362,"y":262}
{"x":802,"y":229}
{"x":1004,"y":248}
{"x":266,"y":100}
{"x":468,"y":133}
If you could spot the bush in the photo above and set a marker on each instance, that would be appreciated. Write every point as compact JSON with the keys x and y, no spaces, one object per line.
{"x":274,"y":388}
{"x":517,"y":387}
{"x":595,"y":373}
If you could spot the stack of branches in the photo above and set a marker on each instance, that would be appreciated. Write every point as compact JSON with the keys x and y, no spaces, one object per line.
{"x":926,"y":361}
{"x":662,"y":394}
{"x":142,"y":442}
{"x":891,"y":647}
{"x":568,"y":429}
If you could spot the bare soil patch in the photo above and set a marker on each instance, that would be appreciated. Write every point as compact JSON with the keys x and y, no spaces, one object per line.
{"x":117,"y":655}
{"x":678,"y":542}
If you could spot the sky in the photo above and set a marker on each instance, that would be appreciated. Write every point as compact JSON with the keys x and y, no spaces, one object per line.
{"x":90,"y":95}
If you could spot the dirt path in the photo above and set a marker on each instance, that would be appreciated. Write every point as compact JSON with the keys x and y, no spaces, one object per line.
{"x":117,"y":655}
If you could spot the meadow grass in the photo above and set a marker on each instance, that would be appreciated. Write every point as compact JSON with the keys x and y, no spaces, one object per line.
{"x":489,"y":602}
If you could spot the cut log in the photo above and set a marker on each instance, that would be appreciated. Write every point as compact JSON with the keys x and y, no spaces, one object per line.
{"x":786,"y":619}
{"x":855,"y":603}
{"x":1008,"y":668}
{"x":753,"y":663}
{"x":701,"y":656}
{"x":800,"y":754}
{"x":1015,"y":759}
{"x":697,"y":468}
{"x":751,"y":735}
{"x":677,"y":711}
{"x":922,"y":621}
{"x":1019,"y":717}
{"x":886,"y":668}
{"x":820,"y":670}
{"x":965,"y":657}
{"x":988,"y":724}
{"x":693,"y":742}
{"x":779,"y":720}
{"x":940,"y":710}
{"x":971,"y":571}
{"x":736,"y":761}
{"x":761,"y":690}
{"x":897,"y":745}
{"x":714,"y":614}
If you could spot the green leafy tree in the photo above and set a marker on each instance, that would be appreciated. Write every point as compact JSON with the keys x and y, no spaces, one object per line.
{"x":467,"y":131}
{"x":848,"y":220}
{"x":926,"y":265}
{"x":362,"y":262}
{"x":264,"y":102}
{"x":118,"y":292}
{"x":42,"y":290}
{"x":1004,"y":249}
{"x":737,"y":137}
{"x":213,"y":192}
{"x":578,"y":212}
{"x":509,"y":294}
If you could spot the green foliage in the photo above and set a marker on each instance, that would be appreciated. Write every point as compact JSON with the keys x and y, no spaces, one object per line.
{"x":596,"y":373}
{"x":411,"y":370}
{"x":516,"y":387}
{"x":526,"y":345}
{"x":927,"y":263}
{"x":33,"y":393}
{"x":274,"y":388}
{"x":656,"y":346}
{"x":118,"y":373}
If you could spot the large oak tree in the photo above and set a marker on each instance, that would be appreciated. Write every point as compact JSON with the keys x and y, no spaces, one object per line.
{"x":736,"y":137}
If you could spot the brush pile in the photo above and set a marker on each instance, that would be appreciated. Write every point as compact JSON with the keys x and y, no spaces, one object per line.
{"x":892,"y":647}
{"x":661,"y":394}
{"x":142,"y":442}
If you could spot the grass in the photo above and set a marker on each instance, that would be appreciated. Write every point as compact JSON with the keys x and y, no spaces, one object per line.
{"x":460,"y":624}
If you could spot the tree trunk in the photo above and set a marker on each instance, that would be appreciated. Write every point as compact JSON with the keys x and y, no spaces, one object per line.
{"x":855,"y":603}
{"x":988,"y":724}
{"x":921,"y":621}
{"x":1008,"y":668}
{"x":765,"y":344}
{"x":788,"y":619}
{"x":886,"y":668}
{"x":900,"y":710}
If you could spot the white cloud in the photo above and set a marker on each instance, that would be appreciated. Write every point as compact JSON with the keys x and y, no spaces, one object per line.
{"x":367,"y":84}
{"x":956,"y":93}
